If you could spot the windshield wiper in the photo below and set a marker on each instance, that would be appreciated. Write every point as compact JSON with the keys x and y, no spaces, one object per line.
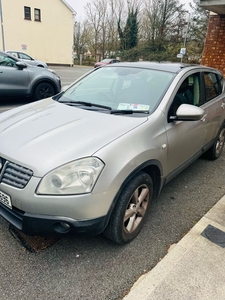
{"x":89,"y":104}
{"x":128,"y":111}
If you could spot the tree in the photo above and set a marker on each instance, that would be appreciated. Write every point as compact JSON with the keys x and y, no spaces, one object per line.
{"x":102,"y":16}
{"x":129,"y":36}
{"x":164,"y":21}
{"x":197,"y":32}
{"x":82,"y":36}
{"x":147,"y":29}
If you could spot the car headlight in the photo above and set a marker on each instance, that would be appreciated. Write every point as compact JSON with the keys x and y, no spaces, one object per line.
{"x":76,"y":177}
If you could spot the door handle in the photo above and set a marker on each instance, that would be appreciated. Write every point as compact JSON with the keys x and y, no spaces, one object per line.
{"x":223,"y":105}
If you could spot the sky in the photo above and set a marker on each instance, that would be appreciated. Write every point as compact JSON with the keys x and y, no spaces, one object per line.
{"x":78,"y":6}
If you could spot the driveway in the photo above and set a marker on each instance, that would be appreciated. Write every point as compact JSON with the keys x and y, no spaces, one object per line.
{"x":94,"y":268}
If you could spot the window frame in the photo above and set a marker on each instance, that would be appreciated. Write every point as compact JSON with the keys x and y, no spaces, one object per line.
{"x":27,"y":13}
{"x":37,"y":14}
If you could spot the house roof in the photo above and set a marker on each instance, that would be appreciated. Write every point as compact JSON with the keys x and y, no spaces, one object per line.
{"x":73,"y":11}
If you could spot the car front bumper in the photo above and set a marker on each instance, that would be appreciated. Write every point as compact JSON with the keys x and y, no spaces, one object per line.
{"x":46,"y":225}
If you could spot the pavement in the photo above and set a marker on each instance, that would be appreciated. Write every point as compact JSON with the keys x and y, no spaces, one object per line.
{"x":194,"y":268}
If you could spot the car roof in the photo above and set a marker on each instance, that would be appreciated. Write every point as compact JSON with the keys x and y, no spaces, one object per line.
{"x":172,"y":67}
{"x":15,"y":51}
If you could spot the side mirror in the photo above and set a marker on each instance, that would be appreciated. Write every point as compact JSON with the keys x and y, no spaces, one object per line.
{"x":21,"y":65}
{"x":188,"y":112}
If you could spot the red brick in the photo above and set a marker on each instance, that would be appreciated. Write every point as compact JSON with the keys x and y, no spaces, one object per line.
{"x":213,"y":53}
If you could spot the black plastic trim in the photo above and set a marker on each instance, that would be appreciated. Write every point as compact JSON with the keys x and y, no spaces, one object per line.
{"x":46,"y":225}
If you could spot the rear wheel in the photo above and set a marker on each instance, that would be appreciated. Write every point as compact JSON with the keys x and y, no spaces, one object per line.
{"x":131,"y":209}
{"x":215,"y":151}
{"x":43,"y":90}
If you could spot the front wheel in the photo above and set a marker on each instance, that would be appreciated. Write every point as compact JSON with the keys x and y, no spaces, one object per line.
{"x":43,"y":90}
{"x":215,"y":151}
{"x":131,"y":209}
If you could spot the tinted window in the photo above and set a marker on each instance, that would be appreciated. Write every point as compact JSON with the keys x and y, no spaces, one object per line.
{"x":212,"y":85}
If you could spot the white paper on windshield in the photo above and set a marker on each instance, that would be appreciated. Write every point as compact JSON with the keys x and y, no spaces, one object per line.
{"x":132,"y":106}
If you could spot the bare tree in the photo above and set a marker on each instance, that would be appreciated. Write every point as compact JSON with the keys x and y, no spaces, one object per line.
{"x":163,"y":20}
{"x":197,"y":32}
{"x":82,"y":35}
{"x":161,"y":27}
{"x":103,"y":16}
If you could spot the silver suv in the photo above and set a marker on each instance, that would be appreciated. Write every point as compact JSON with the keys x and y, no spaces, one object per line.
{"x":18,"y":79}
{"x":92,"y":158}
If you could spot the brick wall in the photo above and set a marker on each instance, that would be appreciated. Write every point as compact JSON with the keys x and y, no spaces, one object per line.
{"x":214,"y":50}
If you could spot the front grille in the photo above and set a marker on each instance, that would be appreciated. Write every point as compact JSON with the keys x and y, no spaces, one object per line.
{"x":16,"y":175}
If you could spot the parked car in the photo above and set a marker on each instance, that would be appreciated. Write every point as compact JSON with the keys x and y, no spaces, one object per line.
{"x":18,"y":79}
{"x":106,"y":61}
{"x":27,"y":58}
{"x":92,"y":158}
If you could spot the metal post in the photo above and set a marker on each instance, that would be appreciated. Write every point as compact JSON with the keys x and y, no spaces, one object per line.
{"x":185,"y":38}
{"x":1,"y":20}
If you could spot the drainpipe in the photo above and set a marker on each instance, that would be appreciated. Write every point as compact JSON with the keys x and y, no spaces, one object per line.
{"x":1,"y":20}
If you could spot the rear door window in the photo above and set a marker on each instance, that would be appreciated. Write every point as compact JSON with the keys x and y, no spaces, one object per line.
{"x":213,"y":87}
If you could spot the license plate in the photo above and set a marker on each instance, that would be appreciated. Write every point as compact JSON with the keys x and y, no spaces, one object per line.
{"x":5,"y":199}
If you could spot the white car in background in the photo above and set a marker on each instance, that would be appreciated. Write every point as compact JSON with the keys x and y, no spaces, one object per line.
{"x":27,"y":58}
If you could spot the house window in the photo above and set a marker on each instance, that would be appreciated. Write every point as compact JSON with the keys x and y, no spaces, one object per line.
{"x":37,"y":14}
{"x":27,"y":14}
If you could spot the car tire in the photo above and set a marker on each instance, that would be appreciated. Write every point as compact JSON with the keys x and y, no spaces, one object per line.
{"x":131,"y":210}
{"x":215,"y":151}
{"x":43,"y":90}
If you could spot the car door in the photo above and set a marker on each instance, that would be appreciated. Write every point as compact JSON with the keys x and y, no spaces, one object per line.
{"x":185,"y":138}
{"x":13,"y":80}
{"x":214,"y":105}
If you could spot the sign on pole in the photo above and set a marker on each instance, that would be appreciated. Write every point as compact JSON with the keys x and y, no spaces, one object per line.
{"x":183,"y":51}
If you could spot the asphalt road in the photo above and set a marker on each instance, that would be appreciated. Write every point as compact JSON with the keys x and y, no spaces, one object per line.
{"x":95,"y":268}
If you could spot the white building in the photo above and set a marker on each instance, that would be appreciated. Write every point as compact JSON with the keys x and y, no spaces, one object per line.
{"x":43,"y":29}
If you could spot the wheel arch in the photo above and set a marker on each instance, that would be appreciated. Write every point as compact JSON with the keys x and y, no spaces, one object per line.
{"x":43,"y":81}
{"x":154,"y":169}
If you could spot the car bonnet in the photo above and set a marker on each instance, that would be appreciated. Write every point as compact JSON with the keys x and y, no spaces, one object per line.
{"x":46,"y":134}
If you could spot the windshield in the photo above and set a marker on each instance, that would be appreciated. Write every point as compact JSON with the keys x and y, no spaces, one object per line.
{"x":120,"y":88}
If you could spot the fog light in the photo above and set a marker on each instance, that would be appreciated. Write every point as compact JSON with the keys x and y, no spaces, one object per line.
{"x":65,"y":225}
{"x":62,"y":227}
